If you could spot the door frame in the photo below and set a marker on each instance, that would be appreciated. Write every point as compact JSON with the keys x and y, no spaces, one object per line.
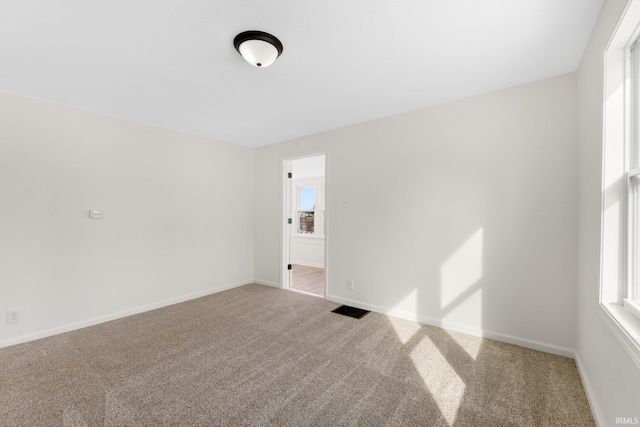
{"x":287,"y":229}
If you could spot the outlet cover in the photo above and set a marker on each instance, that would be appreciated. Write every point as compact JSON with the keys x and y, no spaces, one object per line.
{"x":350,"y":284}
{"x":13,"y":316}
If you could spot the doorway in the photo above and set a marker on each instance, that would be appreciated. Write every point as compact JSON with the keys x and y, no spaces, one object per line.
{"x":306,"y":225}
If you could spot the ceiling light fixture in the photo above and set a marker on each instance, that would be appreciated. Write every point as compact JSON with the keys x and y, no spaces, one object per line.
{"x":258,"y":48}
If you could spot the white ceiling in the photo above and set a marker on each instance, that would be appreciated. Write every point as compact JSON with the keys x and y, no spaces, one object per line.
{"x":172,"y":63}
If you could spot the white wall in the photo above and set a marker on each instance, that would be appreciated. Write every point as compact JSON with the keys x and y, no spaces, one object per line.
{"x":178,"y":216}
{"x":307,"y":251}
{"x":308,"y":167}
{"x":461,"y":215}
{"x":609,"y":374}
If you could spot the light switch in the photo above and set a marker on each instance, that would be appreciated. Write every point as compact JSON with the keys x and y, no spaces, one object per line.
{"x":94,"y":214}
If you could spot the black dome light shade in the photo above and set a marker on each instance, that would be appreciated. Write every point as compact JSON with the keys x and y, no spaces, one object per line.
{"x":258,"y":48}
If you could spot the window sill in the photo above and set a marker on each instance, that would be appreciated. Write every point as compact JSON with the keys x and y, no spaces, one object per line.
{"x":311,"y":236}
{"x":625,"y":327}
{"x":633,"y":307}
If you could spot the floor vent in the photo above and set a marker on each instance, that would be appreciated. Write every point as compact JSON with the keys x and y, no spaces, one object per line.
{"x":345,"y":310}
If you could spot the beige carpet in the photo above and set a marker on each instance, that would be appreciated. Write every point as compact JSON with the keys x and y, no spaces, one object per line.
{"x":256,"y":356}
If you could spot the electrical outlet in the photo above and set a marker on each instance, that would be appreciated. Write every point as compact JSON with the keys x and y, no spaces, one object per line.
{"x":13,"y":316}
{"x":350,"y":284}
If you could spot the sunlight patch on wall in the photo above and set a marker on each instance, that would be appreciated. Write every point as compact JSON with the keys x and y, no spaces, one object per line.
{"x":443,"y":382}
{"x":462,"y":269}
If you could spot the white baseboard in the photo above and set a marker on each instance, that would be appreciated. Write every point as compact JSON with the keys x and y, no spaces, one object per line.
{"x":451,"y":326}
{"x":267,"y":283}
{"x":591,"y":397}
{"x":118,"y":315}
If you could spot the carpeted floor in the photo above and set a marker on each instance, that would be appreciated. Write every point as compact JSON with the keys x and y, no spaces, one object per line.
{"x":256,"y":356}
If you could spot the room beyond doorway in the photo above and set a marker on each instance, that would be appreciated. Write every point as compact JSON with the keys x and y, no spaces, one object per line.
{"x":307,"y":279}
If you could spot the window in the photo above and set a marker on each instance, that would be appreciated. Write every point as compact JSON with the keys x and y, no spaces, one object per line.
{"x":306,"y":210}
{"x":620,"y":243}
{"x":310,"y":207}
{"x":632,"y":173}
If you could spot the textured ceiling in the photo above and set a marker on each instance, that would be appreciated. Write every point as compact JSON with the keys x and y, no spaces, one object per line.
{"x":173,"y":64}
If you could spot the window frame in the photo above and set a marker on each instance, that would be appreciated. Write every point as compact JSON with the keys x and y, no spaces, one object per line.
{"x":631,"y":290}
{"x":620,"y":209}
